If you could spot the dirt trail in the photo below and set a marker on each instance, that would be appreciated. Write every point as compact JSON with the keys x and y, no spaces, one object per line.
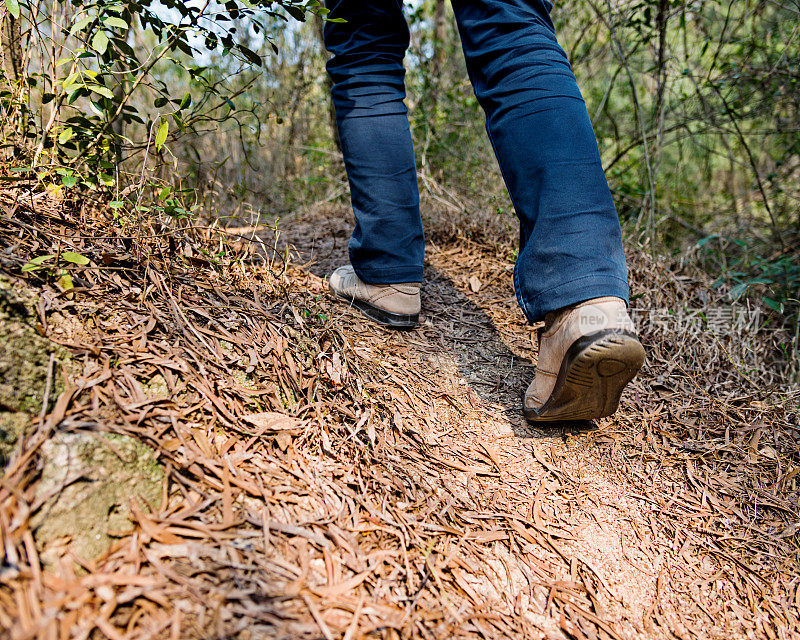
{"x":463,"y":373}
{"x":324,"y":478}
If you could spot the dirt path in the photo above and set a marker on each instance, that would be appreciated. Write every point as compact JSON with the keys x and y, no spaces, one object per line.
{"x":320,"y":477}
{"x":608,"y":551}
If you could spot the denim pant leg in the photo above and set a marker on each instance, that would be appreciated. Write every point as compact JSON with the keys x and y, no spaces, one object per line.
{"x":387,"y":245}
{"x":570,"y":239}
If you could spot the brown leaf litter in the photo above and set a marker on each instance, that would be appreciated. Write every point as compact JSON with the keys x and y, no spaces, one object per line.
{"x":326,"y":479}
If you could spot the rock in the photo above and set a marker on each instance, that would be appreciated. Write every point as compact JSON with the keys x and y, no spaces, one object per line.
{"x":13,"y":424}
{"x":24,"y":362}
{"x":157,"y":388}
{"x":88,"y":481}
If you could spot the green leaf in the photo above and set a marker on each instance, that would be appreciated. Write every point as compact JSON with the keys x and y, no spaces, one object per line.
{"x":75,"y":258}
{"x":96,"y":107}
{"x":774,"y":305}
{"x":113,"y":21}
{"x":737,"y":291}
{"x":164,"y":193}
{"x":123,"y":47}
{"x":66,"y":135}
{"x":13,"y":7}
{"x":103,"y":91}
{"x":100,"y":42}
{"x":69,"y":181}
{"x":37,"y":262}
{"x":161,"y":134}
{"x":160,"y":102}
{"x":703,"y":241}
{"x":252,"y":56}
{"x":107,"y":179}
{"x":183,"y":46}
{"x":65,"y":281}
{"x":116,"y":204}
{"x":80,"y":24}
{"x":70,"y":81}
{"x":296,"y":12}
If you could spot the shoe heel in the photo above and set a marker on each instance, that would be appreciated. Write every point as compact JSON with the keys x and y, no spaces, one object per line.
{"x":594,"y":372}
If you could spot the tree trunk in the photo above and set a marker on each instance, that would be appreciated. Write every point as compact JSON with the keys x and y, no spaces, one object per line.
{"x":10,"y":77}
{"x":10,"y":47}
{"x":440,"y":35}
{"x":328,"y":85}
{"x":118,"y":124}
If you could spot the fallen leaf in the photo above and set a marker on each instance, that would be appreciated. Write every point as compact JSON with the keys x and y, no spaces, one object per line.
{"x":272,"y":421}
{"x":65,"y":282}
{"x":284,"y":440}
{"x":491,"y":451}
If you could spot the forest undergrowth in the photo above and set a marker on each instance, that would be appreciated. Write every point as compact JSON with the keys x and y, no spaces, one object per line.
{"x":317,"y":476}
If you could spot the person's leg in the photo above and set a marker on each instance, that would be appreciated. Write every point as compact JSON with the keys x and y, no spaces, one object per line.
{"x":570,"y":240}
{"x":387,"y":245}
{"x":571,"y":269}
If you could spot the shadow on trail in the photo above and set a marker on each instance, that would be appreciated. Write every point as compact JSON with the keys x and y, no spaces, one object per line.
{"x":493,"y":371}
{"x":453,"y":326}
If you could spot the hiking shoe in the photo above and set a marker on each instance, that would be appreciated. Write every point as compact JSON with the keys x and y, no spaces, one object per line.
{"x":587,"y":354}
{"x":392,"y":305}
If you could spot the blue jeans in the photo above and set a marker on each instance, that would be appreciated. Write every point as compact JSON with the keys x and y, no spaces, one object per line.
{"x":570,"y":239}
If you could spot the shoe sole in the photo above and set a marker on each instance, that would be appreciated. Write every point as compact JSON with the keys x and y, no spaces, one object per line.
{"x":400,"y":321}
{"x":595,"y":370}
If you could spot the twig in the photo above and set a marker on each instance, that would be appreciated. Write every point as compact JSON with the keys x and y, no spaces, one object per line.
{"x":47,"y":388}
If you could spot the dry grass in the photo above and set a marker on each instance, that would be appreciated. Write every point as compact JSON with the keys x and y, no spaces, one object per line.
{"x":326,"y":479}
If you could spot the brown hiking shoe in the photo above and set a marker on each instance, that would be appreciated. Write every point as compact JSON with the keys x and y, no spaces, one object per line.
{"x":587,"y":354}
{"x":392,"y":305}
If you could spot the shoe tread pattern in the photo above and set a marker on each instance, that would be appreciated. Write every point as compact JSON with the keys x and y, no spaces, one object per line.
{"x":593,"y":374}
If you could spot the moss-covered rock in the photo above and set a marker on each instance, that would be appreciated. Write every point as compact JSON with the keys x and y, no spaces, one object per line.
{"x":91,"y":480}
{"x":13,"y":424}
{"x":24,"y":360}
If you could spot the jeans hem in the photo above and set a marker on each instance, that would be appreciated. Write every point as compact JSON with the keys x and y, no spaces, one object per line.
{"x":388,"y":275}
{"x":572,"y":292}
